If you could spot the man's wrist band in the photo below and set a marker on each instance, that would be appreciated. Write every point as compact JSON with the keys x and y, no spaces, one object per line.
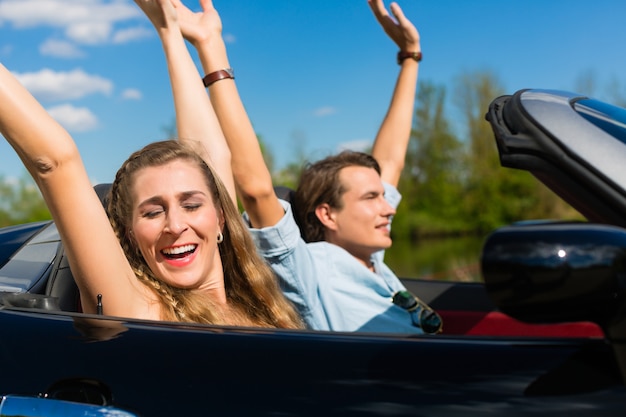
{"x":417,"y":56}
{"x":218,"y":75}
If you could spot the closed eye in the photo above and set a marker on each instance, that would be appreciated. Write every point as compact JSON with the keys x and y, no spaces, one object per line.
{"x":151,"y":214}
{"x":192,"y":207}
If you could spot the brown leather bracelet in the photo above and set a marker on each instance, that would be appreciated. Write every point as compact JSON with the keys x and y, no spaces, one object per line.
{"x":218,"y":75}
{"x":417,"y":56}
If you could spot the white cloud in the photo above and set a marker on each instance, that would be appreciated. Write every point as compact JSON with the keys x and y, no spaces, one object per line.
{"x":324,"y":111}
{"x":131,"y":94}
{"x":229,"y":38}
{"x":50,"y":85}
{"x":60,"y":49}
{"x":131,"y":34}
{"x":359,"y":145}
{"x":11,"y":180}
{"x":84,"y":21}
{"x":89,"y":33}
{"x":74,"y":119}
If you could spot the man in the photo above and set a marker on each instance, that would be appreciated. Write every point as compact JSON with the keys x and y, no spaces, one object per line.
{"x":335,"y":275}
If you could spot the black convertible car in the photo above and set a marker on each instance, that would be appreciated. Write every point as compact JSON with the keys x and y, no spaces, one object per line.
{"x":545,"y":333}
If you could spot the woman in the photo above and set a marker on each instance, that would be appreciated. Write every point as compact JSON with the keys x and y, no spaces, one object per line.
{"x":181,"y":252}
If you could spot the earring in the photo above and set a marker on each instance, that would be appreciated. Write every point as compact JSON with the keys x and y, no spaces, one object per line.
{"x":220,"y":237}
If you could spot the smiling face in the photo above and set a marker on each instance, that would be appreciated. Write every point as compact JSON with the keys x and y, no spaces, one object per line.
{"x":175,"y":224}
{"x":361,"y":224}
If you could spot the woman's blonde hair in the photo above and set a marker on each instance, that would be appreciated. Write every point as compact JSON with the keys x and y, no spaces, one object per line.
{"x":252,"y":290}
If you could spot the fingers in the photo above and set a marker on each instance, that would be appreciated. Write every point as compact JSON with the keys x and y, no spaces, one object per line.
{"x":206,"y":4}
{"x":396,"y":25}
{"x":403,"y":21}
{"x":399,"y":15}
{"x":379,"y":10}
{"x":160,"y":12}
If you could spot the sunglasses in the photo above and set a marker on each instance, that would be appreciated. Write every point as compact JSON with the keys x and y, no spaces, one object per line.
{"x":422,"y":315}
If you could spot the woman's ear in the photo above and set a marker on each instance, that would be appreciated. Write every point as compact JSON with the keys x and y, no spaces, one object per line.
{"x":221,"y":220}
{"x":326,"y":215}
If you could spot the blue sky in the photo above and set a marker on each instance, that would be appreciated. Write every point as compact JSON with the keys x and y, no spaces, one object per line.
{"x":314,"y":75}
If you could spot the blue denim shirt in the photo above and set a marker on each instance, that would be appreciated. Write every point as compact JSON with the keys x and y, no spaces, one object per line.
{"x":331,"y":289}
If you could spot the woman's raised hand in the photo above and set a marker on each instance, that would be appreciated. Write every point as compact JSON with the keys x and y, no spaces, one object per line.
{"x":198,"y":27}
{"x":400,"y":30}
{"x":160,"y":12}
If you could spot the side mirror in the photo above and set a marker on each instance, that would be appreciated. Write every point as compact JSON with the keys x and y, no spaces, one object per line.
{"x":11,"y":405}
{"x":547,"y":272}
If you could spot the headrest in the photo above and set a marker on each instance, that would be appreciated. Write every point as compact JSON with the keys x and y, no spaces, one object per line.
{"x":103,"y":193}
{"x":284,"y":193}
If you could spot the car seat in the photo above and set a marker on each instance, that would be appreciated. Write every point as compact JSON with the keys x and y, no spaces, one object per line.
{"x":61,"y":284}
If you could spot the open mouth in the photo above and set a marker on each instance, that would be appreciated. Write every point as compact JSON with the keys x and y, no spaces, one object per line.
{"x":179,"y":251}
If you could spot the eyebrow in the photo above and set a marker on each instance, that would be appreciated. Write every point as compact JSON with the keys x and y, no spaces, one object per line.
{"x":373,"y":192}
{"x":181,"y":196}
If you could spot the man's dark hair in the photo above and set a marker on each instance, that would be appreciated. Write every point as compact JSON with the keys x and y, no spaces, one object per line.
{"x":319,"y":184}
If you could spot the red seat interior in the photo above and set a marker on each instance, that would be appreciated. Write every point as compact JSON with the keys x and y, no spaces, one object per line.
{"x":498,"y":324}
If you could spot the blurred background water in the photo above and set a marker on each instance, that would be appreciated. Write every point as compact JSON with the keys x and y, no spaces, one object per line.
{"x":448,"y":259}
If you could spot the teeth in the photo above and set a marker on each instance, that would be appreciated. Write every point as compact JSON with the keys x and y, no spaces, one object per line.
{"x":178,"y":250}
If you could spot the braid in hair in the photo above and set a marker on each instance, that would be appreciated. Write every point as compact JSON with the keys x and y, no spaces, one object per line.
{"x":251,"y":289}
{"x":119,"y":209}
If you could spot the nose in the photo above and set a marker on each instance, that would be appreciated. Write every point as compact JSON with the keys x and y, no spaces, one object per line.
{"x":175,"y":222}
{"x":388,"y":210}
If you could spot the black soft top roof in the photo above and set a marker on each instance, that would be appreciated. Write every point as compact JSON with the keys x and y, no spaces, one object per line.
{"x":569,"y":142}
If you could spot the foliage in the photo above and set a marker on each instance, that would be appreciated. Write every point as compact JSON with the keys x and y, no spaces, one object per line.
{"x":289,"y":176}
{"x":432,"y":181}
{"x":457,"y":186}
{"x":21,"y":202}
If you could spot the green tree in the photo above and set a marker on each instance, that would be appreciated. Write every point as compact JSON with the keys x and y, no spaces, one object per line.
{"x":432,"y":179}
{"x":21,"y":202}
{"x":616,"y":92}
{"x":268,"y":157}
{"x":586,"y":83}
{"x":495,"y":195}
{"x":290,"y":174}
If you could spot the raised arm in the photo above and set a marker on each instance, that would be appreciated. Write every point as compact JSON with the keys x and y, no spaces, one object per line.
{"x":196,"y":121}
{"x":393,"y":136}
{"x":50,"y":155}
{"x":252,"y":177}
